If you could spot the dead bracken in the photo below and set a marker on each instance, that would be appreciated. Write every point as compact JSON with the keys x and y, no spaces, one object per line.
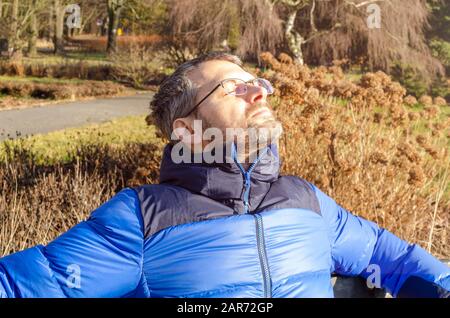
{"x":376,"y":166}
{"x":378,"y":160}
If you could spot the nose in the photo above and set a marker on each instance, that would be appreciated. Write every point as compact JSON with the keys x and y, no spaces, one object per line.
{"x":255,"y":94}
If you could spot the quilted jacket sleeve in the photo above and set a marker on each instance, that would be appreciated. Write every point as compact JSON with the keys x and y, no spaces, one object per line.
{"x":361,"y":247}
{"x":100,"y":257}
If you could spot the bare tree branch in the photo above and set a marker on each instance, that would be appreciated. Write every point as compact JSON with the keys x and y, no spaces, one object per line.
{"x":295,"y":3}
{"x":311,"y":17}
{"x":364,"y":3}
{"x":322,"y":32}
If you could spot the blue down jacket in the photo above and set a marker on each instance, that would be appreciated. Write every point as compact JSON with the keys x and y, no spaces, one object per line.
{"x":216,"y":230}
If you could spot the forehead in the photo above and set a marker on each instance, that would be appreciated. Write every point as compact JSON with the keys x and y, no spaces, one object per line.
{"x":208,"y":74}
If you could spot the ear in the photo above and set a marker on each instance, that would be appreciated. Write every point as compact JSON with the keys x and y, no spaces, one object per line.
{"x":184,"y":129}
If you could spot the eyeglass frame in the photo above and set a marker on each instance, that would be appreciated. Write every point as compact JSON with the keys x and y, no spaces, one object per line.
{"x":221,"y":84}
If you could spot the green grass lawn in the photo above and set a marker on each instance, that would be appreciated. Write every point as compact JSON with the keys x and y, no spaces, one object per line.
{"x":93,"y":58}
{"x":41,"y":80}
{"x":61,"y":146}
{"x":88,"y":56}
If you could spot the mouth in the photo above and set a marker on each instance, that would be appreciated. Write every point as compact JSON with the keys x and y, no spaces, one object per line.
{"x":261,"y":112}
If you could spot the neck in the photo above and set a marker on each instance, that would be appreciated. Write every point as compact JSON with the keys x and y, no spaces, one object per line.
{"x":225,"y":153}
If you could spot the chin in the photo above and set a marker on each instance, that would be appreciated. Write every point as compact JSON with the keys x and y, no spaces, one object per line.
{"x":266,"y":131}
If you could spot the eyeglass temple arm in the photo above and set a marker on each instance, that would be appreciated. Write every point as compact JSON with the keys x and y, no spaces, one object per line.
{"x":203,"y":99}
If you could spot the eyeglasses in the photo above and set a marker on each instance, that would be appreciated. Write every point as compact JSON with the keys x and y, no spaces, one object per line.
{"x":237,"y":87}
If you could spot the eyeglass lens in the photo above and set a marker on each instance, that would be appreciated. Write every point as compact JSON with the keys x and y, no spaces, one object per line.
{"x":239,"y":87}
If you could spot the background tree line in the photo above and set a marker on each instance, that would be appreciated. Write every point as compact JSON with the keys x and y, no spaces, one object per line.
{"x":313,"y":32}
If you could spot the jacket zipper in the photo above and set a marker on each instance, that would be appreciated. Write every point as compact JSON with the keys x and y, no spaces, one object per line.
{"x":259,"y":230}
{"x":246,"y":175}
{"x":246,"y":191}
{"x":263,"y":256}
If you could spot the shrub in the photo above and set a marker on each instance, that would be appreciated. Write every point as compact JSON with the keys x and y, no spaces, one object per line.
{"x":439,"y":101}
{"x":441,"y":50}
{"x":134,"y":66}
{"x":410,"y":100}
{"x":426,"y":100}
{"x":363,"y":153}
{"x":60,"y":90}
{"x":38,"y":202}
{"x":414,"y":83}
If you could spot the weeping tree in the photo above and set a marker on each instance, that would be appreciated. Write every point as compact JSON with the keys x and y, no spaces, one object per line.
{"x":247,"y":27}
{"x":296,"y":38}
{"x":251,"y":25}
{"x":318,"y":31}
{"x":398,"y":39}
{"x":313,"y":31}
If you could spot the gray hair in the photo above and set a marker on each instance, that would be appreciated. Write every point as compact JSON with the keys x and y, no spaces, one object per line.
{"x":176,"y":94}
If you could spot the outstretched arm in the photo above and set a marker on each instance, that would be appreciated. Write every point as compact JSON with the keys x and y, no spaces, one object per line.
{"x":361,"y":247}
{"x":100,"y":257}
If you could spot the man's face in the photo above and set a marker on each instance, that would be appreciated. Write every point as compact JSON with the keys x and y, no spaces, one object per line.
{"x":221,"y":110}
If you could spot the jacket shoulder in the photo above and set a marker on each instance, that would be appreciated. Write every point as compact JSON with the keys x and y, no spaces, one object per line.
{"x":300,"y":191}
{"x":165,"y":205}
{"x":121,"y":211}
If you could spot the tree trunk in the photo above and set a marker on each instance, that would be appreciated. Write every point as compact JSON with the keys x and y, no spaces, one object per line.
{"x":294,"y":39}
{"x":114,"y":10}
{"x":1,"y":9}
{"x":13,"y":34}
{"x":33,"y":34}
{"x":51,"y":25}
{"x":59,"y":27}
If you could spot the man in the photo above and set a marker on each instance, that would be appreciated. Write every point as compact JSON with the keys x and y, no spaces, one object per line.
{"x":222,"y":222}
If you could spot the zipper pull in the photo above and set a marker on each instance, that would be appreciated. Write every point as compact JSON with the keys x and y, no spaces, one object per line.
{"x":246,"y":191}
{"x":246,"y":183}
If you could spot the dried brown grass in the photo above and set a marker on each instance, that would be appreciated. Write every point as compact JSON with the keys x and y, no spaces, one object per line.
{"x":373,"y":164}
{"x":37,"y":203}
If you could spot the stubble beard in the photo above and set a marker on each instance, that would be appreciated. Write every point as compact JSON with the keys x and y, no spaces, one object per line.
{"x":257,"y":132}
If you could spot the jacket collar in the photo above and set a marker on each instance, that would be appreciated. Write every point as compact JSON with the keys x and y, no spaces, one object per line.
{"x":224,"y":182}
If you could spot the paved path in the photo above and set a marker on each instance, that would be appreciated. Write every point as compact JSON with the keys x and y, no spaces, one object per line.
{"x":49,"y":118}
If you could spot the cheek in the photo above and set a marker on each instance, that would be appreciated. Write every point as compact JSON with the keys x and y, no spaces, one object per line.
{"x":227,"y":116}
{"x":235,"y":117}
